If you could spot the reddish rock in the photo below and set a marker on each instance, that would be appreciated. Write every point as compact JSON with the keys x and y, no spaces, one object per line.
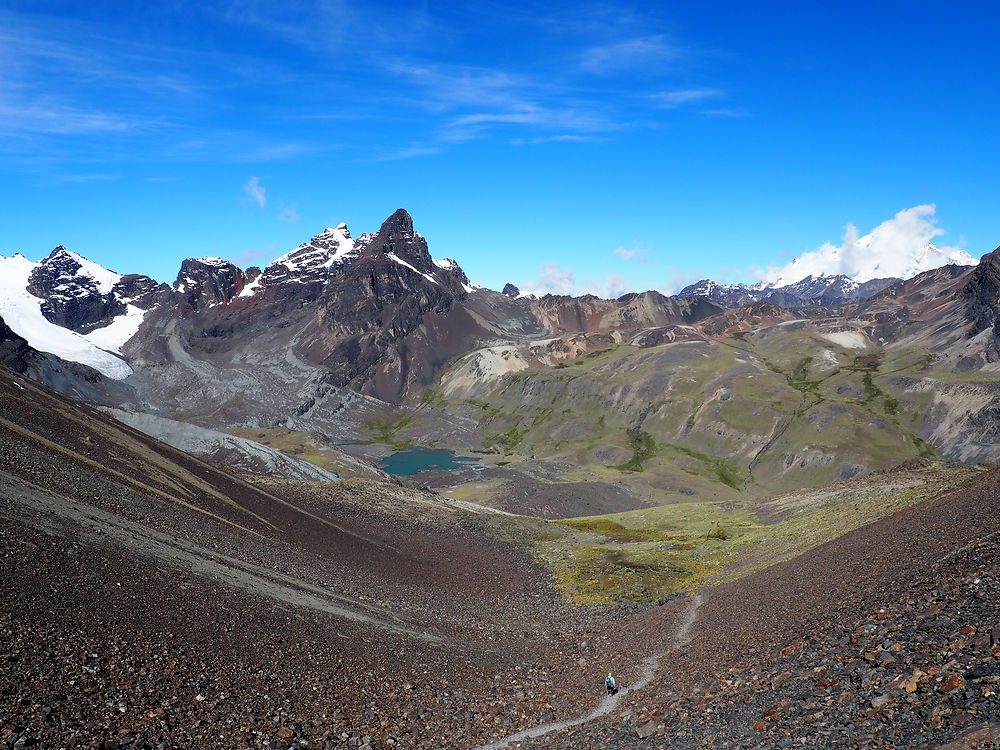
{"x":952,"y":683}
{"x":974,"y":738}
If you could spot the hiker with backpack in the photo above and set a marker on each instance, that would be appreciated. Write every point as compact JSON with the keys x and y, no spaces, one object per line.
{"x":611,"y":684}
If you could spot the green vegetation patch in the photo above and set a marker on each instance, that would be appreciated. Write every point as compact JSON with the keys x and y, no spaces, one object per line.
{"x":723,"y":469}
{"x":433,"y":396}
{"x":611,"y":528}
{"x":643,"y":448}
{"x":508,"y":440}
{"x":386,"y":431}
{"x":647,"y":554}
{"x":603,"y":575}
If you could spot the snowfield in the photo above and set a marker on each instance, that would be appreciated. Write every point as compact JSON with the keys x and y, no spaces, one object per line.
{"x":847,"y":339}
{"x":23,"y":313}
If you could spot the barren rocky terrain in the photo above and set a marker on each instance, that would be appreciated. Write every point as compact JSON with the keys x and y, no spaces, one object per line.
{"x":160,"y":601}
{"x":709,"y":503}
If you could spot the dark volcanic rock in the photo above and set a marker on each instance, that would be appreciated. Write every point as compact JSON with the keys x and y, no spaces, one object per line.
{"x":313,"y":261}
{"x":209,"y":281}
{"x":79,"y":295}
{"x":510,"y":290}
{"x":72,"y":298}
{"x":14,"y":350}
{"x":141,"y":291}
{"x":980,"y":294}
{"x":396,"y":237}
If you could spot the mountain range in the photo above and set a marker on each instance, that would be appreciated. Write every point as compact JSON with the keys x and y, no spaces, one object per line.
{"x":771,"y":506}
{"x":349,"y":337}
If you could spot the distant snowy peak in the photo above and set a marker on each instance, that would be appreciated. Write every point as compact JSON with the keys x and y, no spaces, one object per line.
{"x":83,"y":296}
{"x":314,"y":260}
{"x":899,"y":248}
{"x":71,"y":307}
{"x":862,"y":264}
{"x":927,"y":257}
{"x":329,"y":253}
{"x":76,"y":271}
{"x":811,"y":290}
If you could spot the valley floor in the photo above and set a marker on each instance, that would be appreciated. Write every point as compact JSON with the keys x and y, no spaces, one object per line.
{"x":155,"y":600}
{"x":887,"y":637}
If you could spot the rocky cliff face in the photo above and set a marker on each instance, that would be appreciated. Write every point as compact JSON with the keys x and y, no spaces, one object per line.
{"x":630,"y":312}
{"x":205,"y":282}
{"x":81,"y":296}
{"x":377,"y":315}
{"x":981,"y":295}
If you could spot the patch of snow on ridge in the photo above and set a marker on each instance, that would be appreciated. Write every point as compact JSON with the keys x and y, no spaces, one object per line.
{"x":451,"y":265}
{"x":898,"y":248}
{"x":251,"y":289}
{"x":393,"y":256}
{"x":847,"y":339}
{"x":113,"y":336}
{"x":23,"y":313}
{"x":104,"y":278}
{"x":332,"y":246}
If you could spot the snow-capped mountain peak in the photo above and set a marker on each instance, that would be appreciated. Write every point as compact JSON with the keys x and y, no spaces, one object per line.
{"x":898,"y":248}
{"x":327,"y":253}
{"x":71,"y":307}
{"x":71,"y":267}
{"x":313,"y":260}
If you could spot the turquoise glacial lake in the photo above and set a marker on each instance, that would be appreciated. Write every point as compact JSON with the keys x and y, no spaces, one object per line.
{"x":415,"y":460}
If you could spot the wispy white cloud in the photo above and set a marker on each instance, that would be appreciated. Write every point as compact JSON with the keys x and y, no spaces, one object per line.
{"x":639,"y":52}
{"x":412,"y":151}
{"x":450,"y":86}
{"x":289,"y":215}
{"x":84,"y":177}
{"x":678,"y":279}
{"x":334,"y":27}
{"x":635,"y":255}
{"x":611,"y":287}
{"x":680,"y":97}
{"x":551,"y":279}
{"x":249,"y":257}
{"x":563,"y":138}
{"x":725,"y":112}
{"x":50,"y":117}
{"x":402,"y":90}
{"x":584,"y":121}
{"x":240,"y":147}
{"x":255,"y":191}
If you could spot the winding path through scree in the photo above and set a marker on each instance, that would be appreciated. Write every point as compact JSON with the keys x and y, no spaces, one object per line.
{"x":609,"y":703}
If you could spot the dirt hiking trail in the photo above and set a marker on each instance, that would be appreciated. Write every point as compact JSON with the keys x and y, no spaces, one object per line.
{"x":609,"y":703}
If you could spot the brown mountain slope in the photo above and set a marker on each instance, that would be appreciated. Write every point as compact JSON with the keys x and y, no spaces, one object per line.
{"x":803,"y":654}
{"x":154,"y":597}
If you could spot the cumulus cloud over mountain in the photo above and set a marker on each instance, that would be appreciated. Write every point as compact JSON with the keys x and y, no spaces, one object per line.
{"x":900,"y":247}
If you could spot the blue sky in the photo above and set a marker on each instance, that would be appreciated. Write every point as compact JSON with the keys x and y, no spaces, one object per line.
{"x":576,"y":146}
